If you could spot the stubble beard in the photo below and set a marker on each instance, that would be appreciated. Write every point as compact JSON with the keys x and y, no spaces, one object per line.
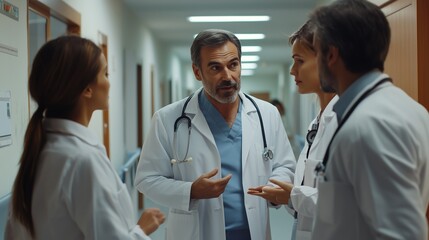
{"x":227,"y":97}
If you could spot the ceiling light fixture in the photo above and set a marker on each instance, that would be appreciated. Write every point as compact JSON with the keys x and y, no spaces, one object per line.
{"x":251,"y":49}
{"x":247,"y":72}
{"x":246,"y":36}
{"x":249,"y":66}
{"x":249,"y":58}
{"x":228,"y":18}
{"x":250,"y":36}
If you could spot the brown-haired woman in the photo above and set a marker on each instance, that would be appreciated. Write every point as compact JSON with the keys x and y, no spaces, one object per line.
{"x":302,"y":195}
{"x":66,"y":187}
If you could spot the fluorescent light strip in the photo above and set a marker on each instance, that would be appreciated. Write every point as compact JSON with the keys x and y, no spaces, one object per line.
{"x":250,"y":36}
{"x":246,"y":36}
{"x":251,"y":49}
{"x":249,"y":58}
{"x":249,"y":66}
{"x":247,"y":72}
{"x":228,"y":18}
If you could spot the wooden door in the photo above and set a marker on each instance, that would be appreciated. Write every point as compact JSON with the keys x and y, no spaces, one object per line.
{"x":408,"y":55}
{"x":140,"y":121}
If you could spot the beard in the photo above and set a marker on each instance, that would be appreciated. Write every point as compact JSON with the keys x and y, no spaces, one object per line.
{"x":326,"y":77}
{"x":224,"y":96}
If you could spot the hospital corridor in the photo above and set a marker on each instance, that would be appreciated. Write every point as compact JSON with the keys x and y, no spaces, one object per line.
{"x":155,"y":63}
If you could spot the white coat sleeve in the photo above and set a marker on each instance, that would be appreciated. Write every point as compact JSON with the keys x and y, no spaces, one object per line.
{"x":97,"y":201}
{"x":304,"y":199}
{"x":154,"y":176}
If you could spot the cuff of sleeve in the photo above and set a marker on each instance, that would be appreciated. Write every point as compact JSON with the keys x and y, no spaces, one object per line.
{"x":139,"y":232}
{"x":290,"y":204}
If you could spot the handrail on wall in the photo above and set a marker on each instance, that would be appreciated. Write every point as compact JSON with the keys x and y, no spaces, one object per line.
{"x":130,"y":166}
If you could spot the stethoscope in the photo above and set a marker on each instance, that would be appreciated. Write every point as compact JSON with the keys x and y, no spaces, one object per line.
{"x":321,"y":166}
{"x":267,"y":153}
{"x":311,"y":134}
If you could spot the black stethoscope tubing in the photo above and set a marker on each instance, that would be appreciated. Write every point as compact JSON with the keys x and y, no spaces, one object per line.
{"x":267,"y":154}
{"x":260,"y":119}
{"x":321,"y":167}
{"x":183,"y":116}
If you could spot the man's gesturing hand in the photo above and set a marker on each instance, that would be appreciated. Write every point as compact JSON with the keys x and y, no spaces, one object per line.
{"x":204,"y":187}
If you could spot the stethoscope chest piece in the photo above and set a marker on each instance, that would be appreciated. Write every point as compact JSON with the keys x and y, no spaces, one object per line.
{"x":311,"y":135}
{"x":267,"y":154}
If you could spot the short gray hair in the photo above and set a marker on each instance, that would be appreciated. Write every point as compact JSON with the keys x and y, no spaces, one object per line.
{"x":211,"y":38}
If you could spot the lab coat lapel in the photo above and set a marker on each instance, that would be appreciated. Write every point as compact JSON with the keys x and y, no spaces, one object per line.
{"x":249,"y":124}
{"x":320,"y":132}
{"x":321,"y":138}
{"x":199,"y":122}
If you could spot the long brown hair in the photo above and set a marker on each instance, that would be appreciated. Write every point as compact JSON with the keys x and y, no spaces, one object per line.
{"x":61,"y":70}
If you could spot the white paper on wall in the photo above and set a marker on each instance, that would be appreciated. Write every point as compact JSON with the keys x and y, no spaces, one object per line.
{"x":5,"y":119}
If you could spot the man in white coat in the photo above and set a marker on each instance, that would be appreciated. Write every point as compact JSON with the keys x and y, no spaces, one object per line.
{"x":203,"y":152}
{"x":373,"y":183}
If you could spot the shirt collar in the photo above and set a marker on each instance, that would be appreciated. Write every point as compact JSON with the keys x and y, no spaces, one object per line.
{"x":72,"y":128}
{"x":355,"y":90}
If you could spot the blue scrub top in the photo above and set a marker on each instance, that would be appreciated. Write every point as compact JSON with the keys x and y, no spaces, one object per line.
{"x":229,"y":143}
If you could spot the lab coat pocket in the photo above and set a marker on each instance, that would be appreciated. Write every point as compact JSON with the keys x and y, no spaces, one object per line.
{"x":309,"y":174}
{"x":126,"y":207}
{"x":335,"y":200}
{"x":336,"y":211}
{"x":183,"y":225}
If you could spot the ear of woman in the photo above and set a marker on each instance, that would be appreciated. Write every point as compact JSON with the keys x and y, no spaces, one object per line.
{"x":88,"y":92}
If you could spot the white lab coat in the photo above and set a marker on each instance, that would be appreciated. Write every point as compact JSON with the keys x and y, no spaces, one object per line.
{"x":77,"y":192}
{"x":378,"y":171}
{"x":170,"y":184}
{"x":304,"y":198}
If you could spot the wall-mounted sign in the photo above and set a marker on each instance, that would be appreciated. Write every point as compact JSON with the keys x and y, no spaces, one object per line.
{"x":9,"y":10}
{"x":5,"y":119}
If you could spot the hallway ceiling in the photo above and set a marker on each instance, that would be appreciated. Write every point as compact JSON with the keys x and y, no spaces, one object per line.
{"x":167,"y":20}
